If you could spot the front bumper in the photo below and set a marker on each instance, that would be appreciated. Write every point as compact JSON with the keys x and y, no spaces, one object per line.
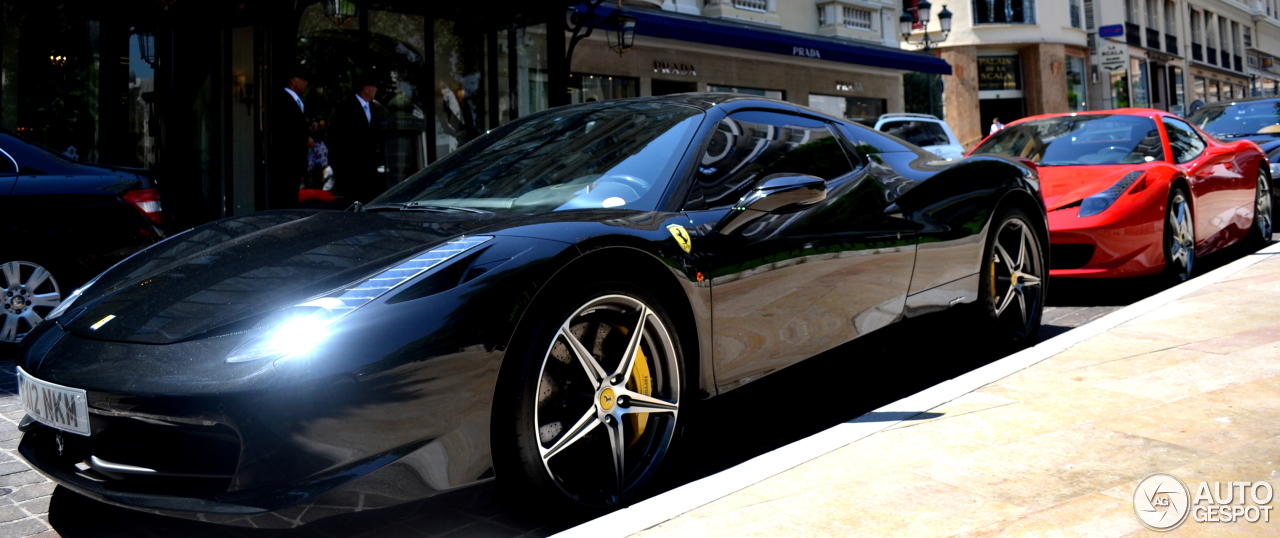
{"x":1124,"y":241}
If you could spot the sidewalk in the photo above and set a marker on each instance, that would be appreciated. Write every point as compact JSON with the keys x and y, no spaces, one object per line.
{"x":1191,"y":388}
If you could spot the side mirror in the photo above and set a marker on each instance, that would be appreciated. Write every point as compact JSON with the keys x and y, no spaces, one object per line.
{"x":778,"y":193}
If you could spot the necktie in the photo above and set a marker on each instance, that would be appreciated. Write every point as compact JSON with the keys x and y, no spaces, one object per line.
{"x":301,"y":107}
{"x":367,"y":117}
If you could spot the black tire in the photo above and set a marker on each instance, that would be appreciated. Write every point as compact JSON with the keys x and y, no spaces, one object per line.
{"x":1263,"y":215}
{"x":29,"y":290}
{"x":1013,"y":286}
{"x":547,"y":398}
{"x":1179,"y":237}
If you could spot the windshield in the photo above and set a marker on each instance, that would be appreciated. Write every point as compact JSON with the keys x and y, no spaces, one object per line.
{"x":1079,"y":140}
{"x":1234,"y":120}
{"x":613,"y":154}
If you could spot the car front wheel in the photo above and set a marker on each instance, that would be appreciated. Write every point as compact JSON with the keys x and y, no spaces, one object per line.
{"x":1012,"y":291}
{"x":1179,"y":237}
{"x":599,"y":397}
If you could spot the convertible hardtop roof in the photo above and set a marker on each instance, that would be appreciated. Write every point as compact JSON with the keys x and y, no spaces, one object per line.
{"x":707,"y":101}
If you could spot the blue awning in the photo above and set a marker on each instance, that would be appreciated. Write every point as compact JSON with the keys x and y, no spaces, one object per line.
{"x":668,"y":25}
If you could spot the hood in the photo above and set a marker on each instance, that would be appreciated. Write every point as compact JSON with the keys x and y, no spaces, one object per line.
{"x":1066,"y":185}
{"x":235,"y":269}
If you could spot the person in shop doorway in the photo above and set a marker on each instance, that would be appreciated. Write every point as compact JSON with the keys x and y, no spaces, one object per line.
{"x":290,"y":141}
{"x":353,"y":145}
{"x":995,"y":126}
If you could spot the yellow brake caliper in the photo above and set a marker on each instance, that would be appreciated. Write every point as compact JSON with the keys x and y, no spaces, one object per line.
{"x":641,"y":382}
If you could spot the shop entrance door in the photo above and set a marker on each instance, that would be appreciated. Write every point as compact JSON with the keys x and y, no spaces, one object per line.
{"x":1005,"y":109}
{"x":668,"y":87}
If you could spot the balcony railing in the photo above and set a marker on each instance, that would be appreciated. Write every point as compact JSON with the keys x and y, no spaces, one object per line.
{"x":1211,"y":55}
{"x":1153,"y":38}
{"x":1238,"y":63}
{"x":752,"y":5}
{"x":857,"y":18}
{"x":1197,"y":52}
{"x":1171,"y":44}
{"x":1132,"y":35}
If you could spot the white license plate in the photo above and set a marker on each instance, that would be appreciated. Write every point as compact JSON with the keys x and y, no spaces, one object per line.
{"x":62,"y":407}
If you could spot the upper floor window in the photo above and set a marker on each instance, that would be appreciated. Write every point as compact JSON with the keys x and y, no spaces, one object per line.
{"x":1004,"y":11}
{"x":1073,"y":6}
{"x":1248,"y":37}
{"x":1170,"y":16}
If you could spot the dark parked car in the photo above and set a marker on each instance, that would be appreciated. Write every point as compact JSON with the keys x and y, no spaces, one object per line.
{"x":64,"y":222}
{"x":541,"y":306}
{"x":1255,"y":119}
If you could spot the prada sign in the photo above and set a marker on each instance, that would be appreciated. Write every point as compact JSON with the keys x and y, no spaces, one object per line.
{"x":674,"y":68}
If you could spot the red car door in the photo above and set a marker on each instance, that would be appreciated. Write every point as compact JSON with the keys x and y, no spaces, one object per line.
{"x":1214,"y":182}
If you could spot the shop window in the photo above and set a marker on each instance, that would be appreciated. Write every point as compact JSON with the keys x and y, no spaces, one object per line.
{"x":1141,"y":87}
{"x":1119,"y":89}
{"x":772,"y":94}
{"x":1178,"y":94}
{"x":592,"y":88}
{"x":1200,"y":89}
{"x":1004,"y":11}
{"x":749,"y":146}
{"x":1077,"y":90}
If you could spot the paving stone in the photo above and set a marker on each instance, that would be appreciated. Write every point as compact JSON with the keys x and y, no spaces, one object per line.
{"x":23,"y":527}
{"x":21,"y":479}
{"x":37,"y":506}
{"x":11,"y":513}
{"x":31,"y":491}
{"x":13,"y":467}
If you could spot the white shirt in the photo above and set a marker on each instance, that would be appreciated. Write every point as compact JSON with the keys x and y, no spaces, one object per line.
{"x":296,"y":99}
{"x":995,"y":127}
{"x":365,"y":105}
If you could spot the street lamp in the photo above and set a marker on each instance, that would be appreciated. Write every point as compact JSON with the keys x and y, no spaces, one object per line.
{"x":622,"y":30}
{"x":339,"y":11}
{"x":906,"y":25}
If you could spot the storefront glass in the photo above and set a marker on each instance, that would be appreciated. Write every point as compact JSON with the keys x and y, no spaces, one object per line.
{"x":1077,"y":94}
{"x":1178,"y":96}
{"x":591,"y":88}
{"x":859,"y":109}
{"x":772,"y":94}
{"x":1269,"y":87}
{"x":1200,"y":89}
{"x":1141,"y":88}
{"x":1119,"y":89}
{"x":1214,"y":92}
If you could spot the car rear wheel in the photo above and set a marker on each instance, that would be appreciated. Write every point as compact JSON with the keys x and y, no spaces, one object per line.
{"x":1263,"y":225}
{"x":599,"y":397}
{"x":28,"y":292}
{"x":1179,"y":237}
{"x":1012,"y":291}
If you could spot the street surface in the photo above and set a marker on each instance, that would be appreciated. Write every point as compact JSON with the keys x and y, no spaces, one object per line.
{"x":724,"y":432}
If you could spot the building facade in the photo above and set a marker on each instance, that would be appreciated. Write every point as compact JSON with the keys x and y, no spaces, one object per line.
{"x":838,"y":56}
{"x":1010,"y":59}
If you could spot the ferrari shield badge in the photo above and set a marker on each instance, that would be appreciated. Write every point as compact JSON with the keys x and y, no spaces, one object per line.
{"x":681,"y":235}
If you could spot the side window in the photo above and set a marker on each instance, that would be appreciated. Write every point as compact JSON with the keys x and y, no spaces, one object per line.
{"x":748,"y":146}
{"x":920,"y":133}
{"x":7,"y":164}
{"x":1184,"y":141}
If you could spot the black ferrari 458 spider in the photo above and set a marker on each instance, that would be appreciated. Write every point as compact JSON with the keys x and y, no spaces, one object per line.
{"x":539,"y":307}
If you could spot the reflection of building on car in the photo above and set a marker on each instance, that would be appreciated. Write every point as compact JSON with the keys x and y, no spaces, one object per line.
{"x":535,"y":307}
{"x":926,"y":131}
{"x":64,"y":222}
{"x":1135,"y":192}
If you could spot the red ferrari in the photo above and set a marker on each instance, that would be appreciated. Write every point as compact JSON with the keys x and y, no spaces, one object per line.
{"x":1134,"y":192}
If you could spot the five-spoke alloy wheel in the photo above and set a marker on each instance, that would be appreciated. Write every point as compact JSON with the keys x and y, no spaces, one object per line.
{"x":28,"y":292}
{"x":604,"y":401}
{"x":1013,"y":277}
{"x":1179,"y":237}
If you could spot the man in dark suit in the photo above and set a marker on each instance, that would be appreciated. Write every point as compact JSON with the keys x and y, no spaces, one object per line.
{"x":353,"y":145}
{"x":290,"y":139}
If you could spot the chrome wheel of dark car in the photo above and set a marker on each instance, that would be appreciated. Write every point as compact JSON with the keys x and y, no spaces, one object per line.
{"x":1262,"y":216}
{"x":28,"y":292}
{"x":607,"y":398}
{"x":1013,"y":277}
{"x":1179,"y":237}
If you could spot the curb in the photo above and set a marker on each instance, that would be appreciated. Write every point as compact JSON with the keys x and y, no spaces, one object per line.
{"x":668,"y":505}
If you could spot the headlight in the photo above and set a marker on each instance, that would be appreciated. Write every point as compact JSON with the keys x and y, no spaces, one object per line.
{"x":65,"y":305}
{"x":1100,"y":202}
{"x":298,"y":329}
